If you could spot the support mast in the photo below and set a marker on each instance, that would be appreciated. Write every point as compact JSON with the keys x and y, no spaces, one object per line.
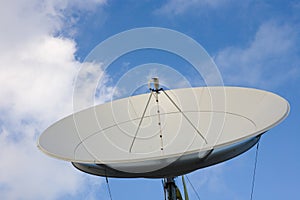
{"x":170,"y":188}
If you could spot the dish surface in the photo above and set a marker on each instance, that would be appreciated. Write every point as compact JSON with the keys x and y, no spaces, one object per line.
{"x":128,"y":133}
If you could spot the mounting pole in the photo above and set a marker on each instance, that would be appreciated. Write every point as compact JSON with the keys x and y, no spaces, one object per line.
{"x":170,"y":188}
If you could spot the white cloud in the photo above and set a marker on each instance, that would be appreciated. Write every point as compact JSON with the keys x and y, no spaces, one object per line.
{"x":38,"y":78}
{"x":37,"y":73}
{"x":268,"y":60}
{"x":27,"y":174}
{"x":177,"y":7}
{"x":91,"y":87}
{"x":23,"y":20}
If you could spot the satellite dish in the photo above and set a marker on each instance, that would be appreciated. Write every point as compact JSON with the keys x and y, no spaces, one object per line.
{"x":164,"y":134}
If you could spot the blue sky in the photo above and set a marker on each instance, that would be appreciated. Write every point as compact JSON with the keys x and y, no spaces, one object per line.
{"x":43,"y":45}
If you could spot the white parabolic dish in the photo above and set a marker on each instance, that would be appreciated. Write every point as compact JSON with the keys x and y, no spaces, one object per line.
{"x":201,"y":127}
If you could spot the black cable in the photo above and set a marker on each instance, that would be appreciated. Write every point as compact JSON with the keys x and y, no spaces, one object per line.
{"x":109,"y":192}
{"x":198,"y":197}
{"x":254,"y":171}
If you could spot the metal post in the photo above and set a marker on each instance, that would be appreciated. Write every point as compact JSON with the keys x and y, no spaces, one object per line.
{"x":170,"y":187}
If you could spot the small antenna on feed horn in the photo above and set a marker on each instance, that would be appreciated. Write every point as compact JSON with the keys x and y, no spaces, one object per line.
{"x":153,"y":85}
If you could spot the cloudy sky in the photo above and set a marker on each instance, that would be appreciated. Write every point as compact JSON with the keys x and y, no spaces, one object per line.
{"x":43,"y":45}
